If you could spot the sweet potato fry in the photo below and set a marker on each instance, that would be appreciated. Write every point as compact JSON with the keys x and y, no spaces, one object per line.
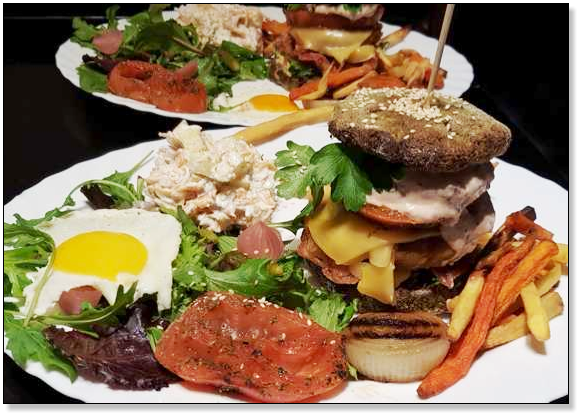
{"x":525,"y":273}
{"x":517,"y":326}
{"x":522,"y":224}
{"x":463,"y":351}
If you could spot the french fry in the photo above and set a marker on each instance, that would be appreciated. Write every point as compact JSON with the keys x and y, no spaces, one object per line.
{"x":395,"y":37}
{"x":463,"y":351}
{"x":526,"y":271}
{"x":351,"y":87}
{"x":562,"y":256}
{"x":546,"y":282}
{"x":517,"y":327}
{"x":465,"y":307}
{"x":274,"y":128}
{"x":452,"y":303}
{"x":519,"y":222}
{"x":537,"y":320}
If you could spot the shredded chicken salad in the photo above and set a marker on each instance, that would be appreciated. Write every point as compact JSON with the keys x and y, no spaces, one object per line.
{"x":221,"y":183}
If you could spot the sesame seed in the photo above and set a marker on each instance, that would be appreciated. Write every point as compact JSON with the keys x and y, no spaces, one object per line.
{"x":242,"y":365}
{"x":309,"y":322}
{"x":190,"y":273}
{"x":412,"y":130}
{"x":283,"y":336}
{"x":256,"y":282}
{"x":352,"y":124}
{"x":365,"y":121}
{"x":428,"y":125}
{"x":256,"y":251}
{"x":406,"y":137}
{"x":267,"y":250}
{"x":332,"y":342}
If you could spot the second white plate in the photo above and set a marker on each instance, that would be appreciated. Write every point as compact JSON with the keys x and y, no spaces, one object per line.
{"x":459,"y":77}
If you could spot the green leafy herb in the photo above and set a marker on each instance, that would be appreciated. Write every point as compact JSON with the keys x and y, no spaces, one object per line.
{"x":91,"y":80}
{"x":28,"y":343}
{"x":154,"y":335}
{"x":352,"y":7}
{"x":84,"y":32}
{"x":110,"y":14}
{"x":292,"y":6}
{"x":91,"y":315}
{"x":300,"y":71}
{"x":352,"y":371}
{"x":351,"y":174}
{"x":332,"y":312}
{"x":118,"y":188}
{"x":226,"y":243}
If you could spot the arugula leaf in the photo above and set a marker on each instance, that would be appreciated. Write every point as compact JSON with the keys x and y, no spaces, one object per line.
{"x":155,"y":12}
{"x":352,"y":7}
{"x":31,"y":249}
{"x":28,"y":343}
{"x":332,"y":312}
{"x":292,"y":6}
{"x":154,"y":334}
{"x":91,"y":80}
{"x":117,"y":186}
{"x":84,"y":32}
{"x":352,"y":371}
{"x":301,"y":71}
{"x":226,"y":243}
{"x":110,"y":14}
{"x":166,"y":36}
{"x":91,"y":315}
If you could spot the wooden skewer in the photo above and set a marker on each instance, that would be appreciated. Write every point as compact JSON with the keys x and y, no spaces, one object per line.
{"x":436,"y":64}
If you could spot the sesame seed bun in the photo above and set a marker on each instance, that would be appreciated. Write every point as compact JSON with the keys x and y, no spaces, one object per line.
{"x":393,"y":123}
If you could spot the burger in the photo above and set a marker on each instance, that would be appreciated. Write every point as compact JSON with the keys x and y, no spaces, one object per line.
{"x":408,"y":246}
{"x":316,"y":36}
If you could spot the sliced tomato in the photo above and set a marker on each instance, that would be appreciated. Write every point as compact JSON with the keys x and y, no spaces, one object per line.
{"x":71,"y":301}
{"x":239,"y":344}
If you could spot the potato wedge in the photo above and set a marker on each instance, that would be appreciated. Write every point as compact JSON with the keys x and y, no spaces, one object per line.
{"x":517,"y":327}
{"x":537,"y":320}
{"x":562,"y":256}
{"x":274,"y":128}
{"x":465,"y":306}
{"x":549,"y":278}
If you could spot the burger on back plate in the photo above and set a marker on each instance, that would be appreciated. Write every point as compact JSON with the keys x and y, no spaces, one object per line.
{"x":400,"y":207}
{"x":327,"y":51}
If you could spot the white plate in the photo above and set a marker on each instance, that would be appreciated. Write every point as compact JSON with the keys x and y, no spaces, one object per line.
{"x":514,"y":373}
{"x":459,"y":78}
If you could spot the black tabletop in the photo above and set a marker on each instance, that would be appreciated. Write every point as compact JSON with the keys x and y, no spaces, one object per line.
{"x":50,"y":125}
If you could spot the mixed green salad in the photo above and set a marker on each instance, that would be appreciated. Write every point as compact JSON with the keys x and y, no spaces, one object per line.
{"x":147,"y":36}
{"x":103,"y":334}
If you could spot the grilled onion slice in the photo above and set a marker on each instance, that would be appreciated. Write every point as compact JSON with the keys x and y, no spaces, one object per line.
{"x":396,"y":347}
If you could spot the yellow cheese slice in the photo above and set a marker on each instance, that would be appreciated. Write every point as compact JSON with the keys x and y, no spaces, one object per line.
{"x":347,"y":237}
{"x":339,"y":44}
{"x":377,"y":282}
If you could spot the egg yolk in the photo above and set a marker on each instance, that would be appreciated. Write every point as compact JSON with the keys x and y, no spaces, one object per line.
{"x":101,"y":254}
{"x":273,"y":102}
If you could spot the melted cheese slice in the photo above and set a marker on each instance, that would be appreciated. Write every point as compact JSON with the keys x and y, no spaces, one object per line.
{"x":339,"y":44}
{"x":347,"y":237}
{"x":377,"y":282}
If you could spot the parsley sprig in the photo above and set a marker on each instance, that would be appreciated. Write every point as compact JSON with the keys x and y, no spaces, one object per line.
{"x":351,"y":174}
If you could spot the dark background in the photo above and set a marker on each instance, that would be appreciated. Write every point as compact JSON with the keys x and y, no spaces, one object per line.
{"x":49,"y":124}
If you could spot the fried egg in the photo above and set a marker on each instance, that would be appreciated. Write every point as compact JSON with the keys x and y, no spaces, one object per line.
{"x":108,"y":248}
{"x":257,"y":96}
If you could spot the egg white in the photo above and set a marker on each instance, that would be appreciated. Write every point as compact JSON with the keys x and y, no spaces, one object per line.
{"x":158,"y":232}
{"x":245,"y":90}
